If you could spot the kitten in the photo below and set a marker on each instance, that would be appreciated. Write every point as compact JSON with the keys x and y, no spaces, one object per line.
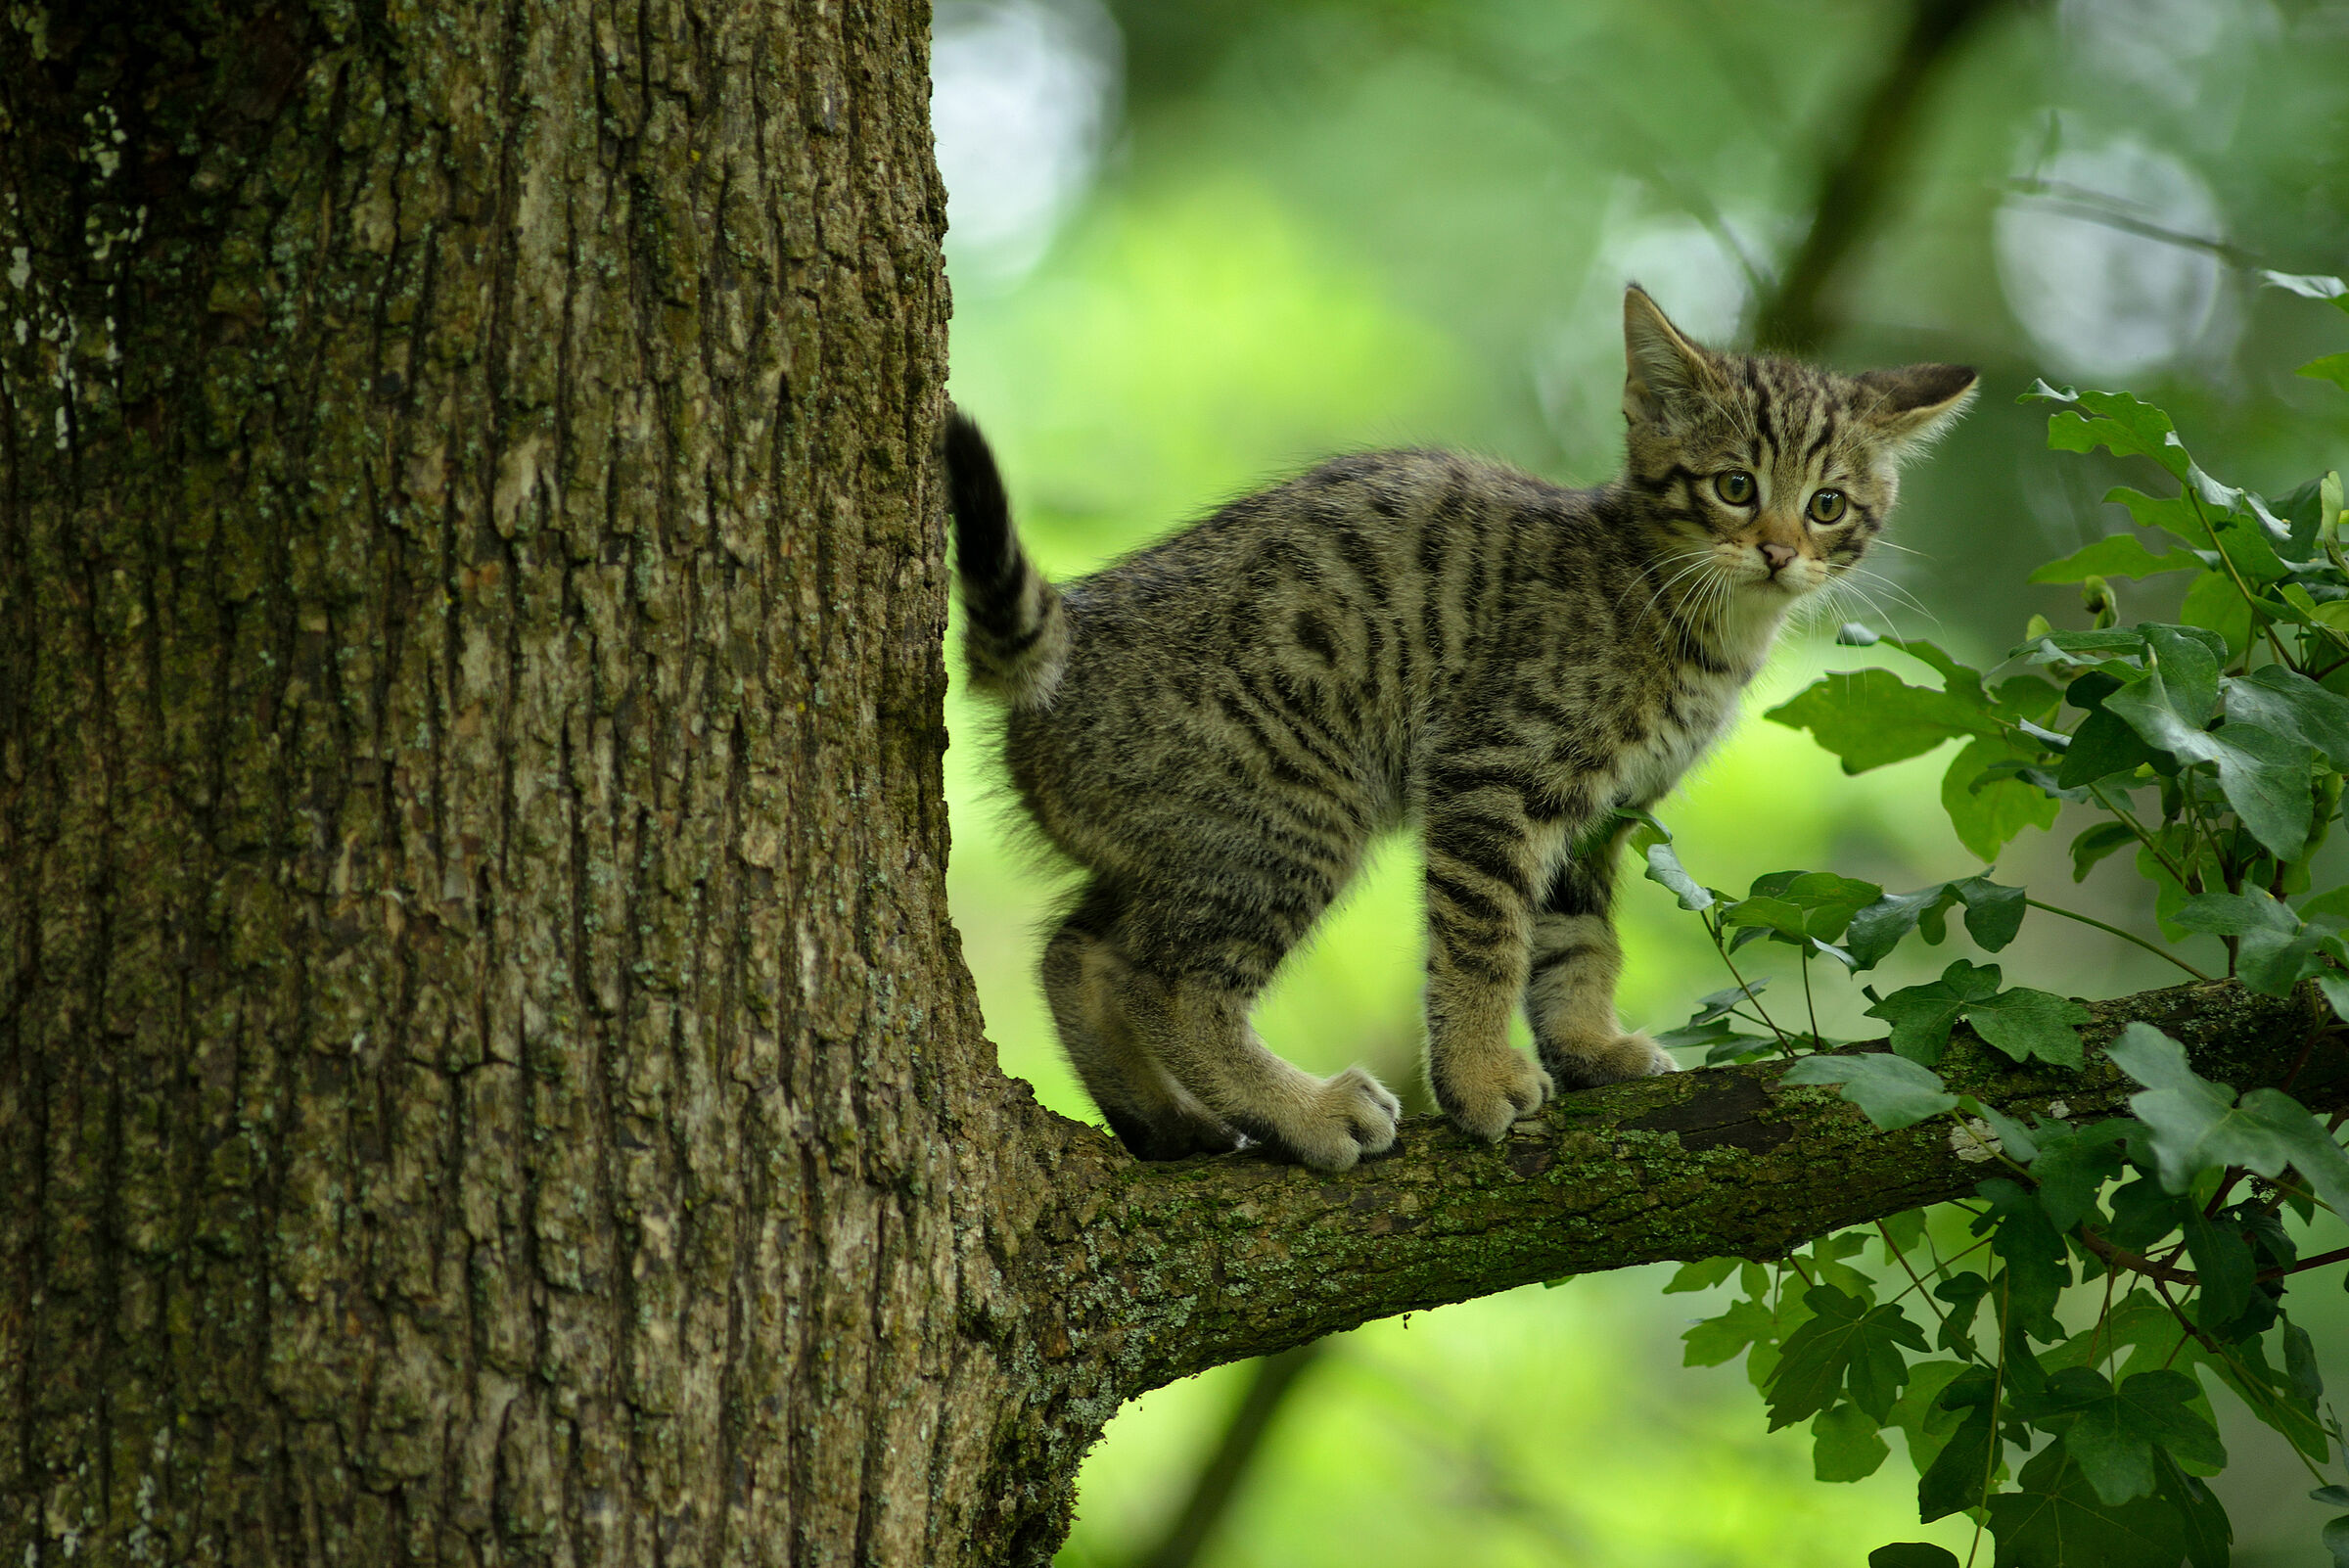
{"x":1216,"y":727}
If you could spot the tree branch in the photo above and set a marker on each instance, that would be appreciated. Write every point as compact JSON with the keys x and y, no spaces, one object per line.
{"x":1178,"y":1267}
{"x":1858,"y":172}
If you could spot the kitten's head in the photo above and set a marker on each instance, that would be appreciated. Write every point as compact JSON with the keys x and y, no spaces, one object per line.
{"x":1776,"y":474}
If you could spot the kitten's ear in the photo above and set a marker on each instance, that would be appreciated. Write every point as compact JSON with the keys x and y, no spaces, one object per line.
{"x":1916,"y":404}
{"x":1662,"y":368}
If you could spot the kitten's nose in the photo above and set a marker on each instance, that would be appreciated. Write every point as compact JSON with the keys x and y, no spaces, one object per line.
{"x":1776,"y":555}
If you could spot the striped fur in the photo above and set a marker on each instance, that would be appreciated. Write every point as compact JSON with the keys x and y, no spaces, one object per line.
{"x":1216,"y":727}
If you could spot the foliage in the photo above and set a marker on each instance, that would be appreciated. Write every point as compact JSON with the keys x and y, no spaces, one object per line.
{"x":2049,"y":1353}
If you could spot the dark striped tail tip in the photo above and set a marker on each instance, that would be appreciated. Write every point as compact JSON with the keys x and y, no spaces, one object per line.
{"x":975,"y":494}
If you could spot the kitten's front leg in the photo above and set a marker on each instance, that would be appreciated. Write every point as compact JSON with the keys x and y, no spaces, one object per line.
{"x":1484,"y":863}
{"x":1570,"y":989}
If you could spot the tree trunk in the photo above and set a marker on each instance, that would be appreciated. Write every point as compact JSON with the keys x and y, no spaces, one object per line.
{"x":486,"y":1075}
{"x":485,"y":1071}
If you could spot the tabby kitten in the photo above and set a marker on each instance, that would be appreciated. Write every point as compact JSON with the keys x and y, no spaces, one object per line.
{"x":1216,"y":727}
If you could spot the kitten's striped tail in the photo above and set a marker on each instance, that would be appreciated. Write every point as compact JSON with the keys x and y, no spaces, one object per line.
{"x":1016,"y":630}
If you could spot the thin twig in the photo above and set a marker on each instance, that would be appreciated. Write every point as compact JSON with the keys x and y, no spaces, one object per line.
{"x":2125,"y":936}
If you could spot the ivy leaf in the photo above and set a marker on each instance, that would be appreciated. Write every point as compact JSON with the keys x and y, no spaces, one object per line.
{"x":1665,"y":867}
{"x":2198,"y":1125}
{"x":1891,"y":1091}
{"x":1701,"y":1275}
{"x":1914,"y":1554}
{"x":1846,"y":1341}
{"x":1994,"y":912}
{"x":2309,"y":286}
{"x":2116,"y":555}
{"x":2104,"y":745}
{"x":2072,"y":1167}
{"x":1988,"y":809}
{"x":2232,"y":914}
{"x":2102,"y":838}
{"x":2032,"y":1251}
{"x":1718,"y":1339}
{"x":2224,"y":1263}
{"x":2112,"y":1433}
{"x":2116,"y":421}
{"x":2264,"y":775}
{"x":2289,"y":703}
{"x":1869,"y":718}
{"x":1920,"y":1016}
{"x":1954,"y":1479}
{"x":2056,"y":1520}
{"x":2025,"y":1022}
{"x":1845,"y":1444}
{"x":2213,"y":602}
{"x":1963,"y":1292}
{"x":2208,"y":1534}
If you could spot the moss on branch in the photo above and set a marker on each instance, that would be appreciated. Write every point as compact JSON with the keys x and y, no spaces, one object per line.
{"x":1176,"y":1267}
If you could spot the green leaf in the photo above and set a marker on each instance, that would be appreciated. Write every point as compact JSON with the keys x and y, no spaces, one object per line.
{"x":2207,"y":1534}
{"x":2309,"y":285}
{"x":2336,"y":1539}
{"x":2301,"y":1365}
{"x":1845,"y":1342}
{"x":1718,"y":1339}
{"x":1956,"y":1478}
{"x":2073,"y":1165}
{"x":1891,"y":1091}
{"x":2213,"y":601}
{"x":2198,"y":1125}
{"x":2056,"y":1520}
{"x":2231,"y":914}
{"x":1845,"y":1444}
{"x":1702,"y":1275}
{"x":2025,"y":1022}
{"x":2112,"y":1433}
{"x":2292,"y":704}
{"x":1920,"y":1016}
{"x":1992,"y":914}
{"x":2104,"y":745}
{"x":2265,"y":776}
{"x":2116,"y":555}
{"x":2112,"y":420}
{"x":1665,"y":867}
{"x":2034,"y":1255}
{"x":2225,"y":1268}
{"x":2102,"y":838}
{"x":1911,"y":1554}
{"x":1963,"y":1291}
{"x":1988,"y":814}
{"x":2329,"y":367}
{"x":1802,"y":904}
{"x":1869,"y":718}
{"x":2189,"y":666}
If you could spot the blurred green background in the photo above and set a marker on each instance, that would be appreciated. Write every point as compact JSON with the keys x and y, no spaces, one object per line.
{"x":1198,"y":244}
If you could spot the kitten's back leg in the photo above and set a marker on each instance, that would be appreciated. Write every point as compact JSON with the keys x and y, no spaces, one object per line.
{"x":1198,"y":957}
{"x":1570,"y":989}
{"x":1152,"y":1115}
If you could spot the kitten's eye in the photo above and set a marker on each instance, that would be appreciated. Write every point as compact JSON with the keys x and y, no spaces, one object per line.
{"x":1826,"y":506}
{"x":1737,"y":487}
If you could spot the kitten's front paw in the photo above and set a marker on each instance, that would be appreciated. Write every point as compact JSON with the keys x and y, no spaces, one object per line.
{"x":1350,"y":1115}
{"x":1587,"y":1064}
{"x":1485,"y":1092}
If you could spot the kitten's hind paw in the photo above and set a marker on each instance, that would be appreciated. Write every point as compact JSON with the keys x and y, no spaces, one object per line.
{"x":1581,"y":1064}
{"x":1176,"y":1138}
{"x":1346,"y":1116}
{"x":1485,"y":1092}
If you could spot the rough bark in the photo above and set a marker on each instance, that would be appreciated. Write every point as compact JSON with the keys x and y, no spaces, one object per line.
{"x":482,"y":1056}
{"x":486,"y":1075}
